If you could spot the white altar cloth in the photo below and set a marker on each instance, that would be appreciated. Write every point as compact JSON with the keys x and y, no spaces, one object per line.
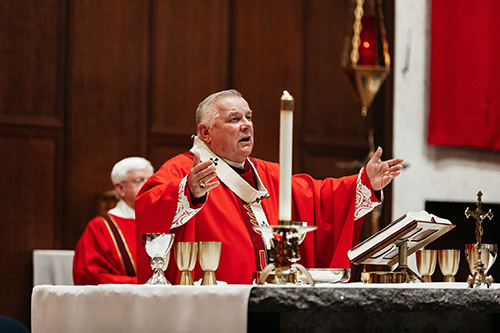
{"x":140,"y":308}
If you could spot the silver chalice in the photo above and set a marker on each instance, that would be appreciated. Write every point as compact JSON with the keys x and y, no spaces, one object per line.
{"x":158,"y":247}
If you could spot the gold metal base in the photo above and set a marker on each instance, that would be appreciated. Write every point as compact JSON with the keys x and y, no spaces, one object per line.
{"x":271,"y":278}
{"x":209,"y":279}
{"x":284,"y":253}
{"x":383,"y":277}
{"x":411,"y":276}
{"x":479,"y":280}
{"x":285,"y":274}
{"x":186,"y":279}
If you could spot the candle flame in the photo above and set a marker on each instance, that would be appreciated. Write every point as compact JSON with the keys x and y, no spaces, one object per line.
{"x":287,"y":102}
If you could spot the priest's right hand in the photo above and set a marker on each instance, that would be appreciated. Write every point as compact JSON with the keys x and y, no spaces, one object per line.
{"x":200,"y":175}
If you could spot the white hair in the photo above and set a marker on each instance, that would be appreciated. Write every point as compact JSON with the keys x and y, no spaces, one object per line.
{"x":119,"y":172}
{"x":205,"y":113}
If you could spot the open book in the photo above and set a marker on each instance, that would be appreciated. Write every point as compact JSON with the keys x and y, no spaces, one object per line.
{"x":417,"y":229}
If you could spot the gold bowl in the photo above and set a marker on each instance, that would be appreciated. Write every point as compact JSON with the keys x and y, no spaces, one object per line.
{"x":488,"y":256}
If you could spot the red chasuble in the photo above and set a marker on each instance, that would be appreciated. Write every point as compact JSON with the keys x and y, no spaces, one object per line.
{"x":328,"y":204}
{"x":97,"y":257}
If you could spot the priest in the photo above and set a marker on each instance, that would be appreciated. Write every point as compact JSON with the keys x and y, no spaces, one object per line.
{"x":105,"y":252}
{"x":217,"y":192}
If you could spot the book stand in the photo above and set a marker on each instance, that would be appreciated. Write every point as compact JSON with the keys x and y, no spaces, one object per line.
{"x":390,"y":247}
{"x":411,"y":276}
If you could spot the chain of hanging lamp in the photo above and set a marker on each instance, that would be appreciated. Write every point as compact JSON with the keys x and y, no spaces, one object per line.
{"x":356,"y":40}
{"x":383,"y":34}
{"x":354,"y":56}
{"x":357,"y":27}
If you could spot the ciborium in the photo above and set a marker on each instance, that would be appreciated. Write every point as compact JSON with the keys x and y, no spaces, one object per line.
{"x":158,"y":247}
{"x":285,"y":253}
{"x":209,"y":256}
{"x":426,"y":263}
{"x":480,"y":258}
{"x":185,"y":257}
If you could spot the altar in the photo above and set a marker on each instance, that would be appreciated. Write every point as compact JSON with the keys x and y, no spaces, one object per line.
{"x":239,"y":308}
{"x":357,"y":307}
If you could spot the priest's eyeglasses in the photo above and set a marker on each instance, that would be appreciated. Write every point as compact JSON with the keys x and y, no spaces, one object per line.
{"x":136,"y":181}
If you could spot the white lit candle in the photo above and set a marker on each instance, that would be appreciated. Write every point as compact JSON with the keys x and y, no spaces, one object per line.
{"x":286,"y":147}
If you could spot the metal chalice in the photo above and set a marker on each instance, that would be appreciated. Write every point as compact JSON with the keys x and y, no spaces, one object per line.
{"x":209,"y":256}
{"x":426,"y":263}
{"x":158,"y":247}
{"x":449,"y":260}
{"x":185,"y":256}
{"x":480,"y":258}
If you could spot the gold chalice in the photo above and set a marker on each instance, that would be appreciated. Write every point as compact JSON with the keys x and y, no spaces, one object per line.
{"x":426,"y":263}
{"x":209,"y":256}
{"x":449,"y":261}
{"x":185,"y":256}
{"x":480,"y":264}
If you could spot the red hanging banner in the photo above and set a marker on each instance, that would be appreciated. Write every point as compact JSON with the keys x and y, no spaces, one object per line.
{"x":465,"y":74}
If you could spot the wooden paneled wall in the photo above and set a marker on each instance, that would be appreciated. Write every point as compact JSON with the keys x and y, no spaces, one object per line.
{"x":84,"y":84}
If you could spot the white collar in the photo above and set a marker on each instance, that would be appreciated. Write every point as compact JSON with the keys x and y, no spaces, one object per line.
{"x":234,"y":164}
{"x":230,"y":177}
{"x":123,"y":210}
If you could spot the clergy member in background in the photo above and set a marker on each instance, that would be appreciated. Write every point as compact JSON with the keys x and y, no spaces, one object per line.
{"x":106,"y":252}
{"x":216,"y":192}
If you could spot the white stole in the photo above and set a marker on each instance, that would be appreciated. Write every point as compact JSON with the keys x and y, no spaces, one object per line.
{"x":252,"y":197}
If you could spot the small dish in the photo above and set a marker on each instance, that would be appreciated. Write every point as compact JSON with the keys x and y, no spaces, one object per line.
{"x":327,"y":275}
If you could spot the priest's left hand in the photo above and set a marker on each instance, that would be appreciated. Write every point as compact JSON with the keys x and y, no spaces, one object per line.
{"x":380,"y":172}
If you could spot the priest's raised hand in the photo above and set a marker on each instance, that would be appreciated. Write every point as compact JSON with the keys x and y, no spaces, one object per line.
{"x":381,"y":173}
{"x":200,"y":175}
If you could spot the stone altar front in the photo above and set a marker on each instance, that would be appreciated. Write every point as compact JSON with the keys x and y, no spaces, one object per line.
{"x":357,"y":307}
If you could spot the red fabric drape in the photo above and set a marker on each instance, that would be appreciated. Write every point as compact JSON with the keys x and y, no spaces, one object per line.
{"x":465,"y":74}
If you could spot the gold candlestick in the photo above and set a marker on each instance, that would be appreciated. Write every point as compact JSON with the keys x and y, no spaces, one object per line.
{"x":284,"y":253}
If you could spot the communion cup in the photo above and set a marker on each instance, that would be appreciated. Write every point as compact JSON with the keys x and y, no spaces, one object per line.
{"x":449,"y":260}
{"x":158,"y":247}
{"x":209,"y":255}
{"x":185,"y":256}
{"x":488,"y":256}
{"x":426,"y":263}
